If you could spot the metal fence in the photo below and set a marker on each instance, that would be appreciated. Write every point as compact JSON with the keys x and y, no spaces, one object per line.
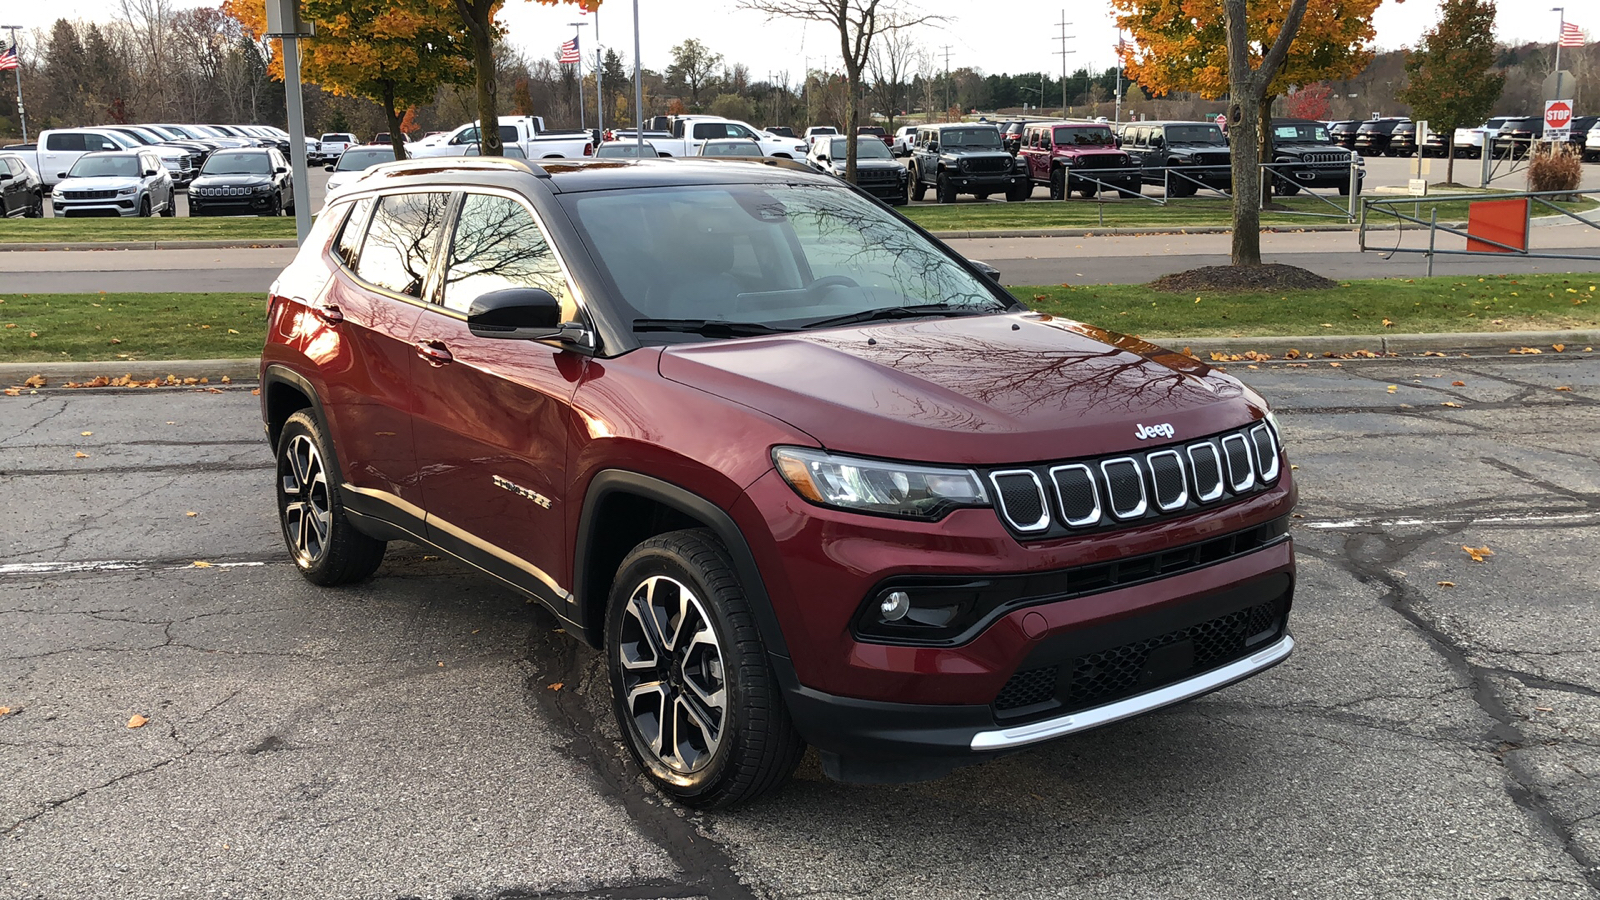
{"x":1546,"y":200}
{"x":1183,"y":182}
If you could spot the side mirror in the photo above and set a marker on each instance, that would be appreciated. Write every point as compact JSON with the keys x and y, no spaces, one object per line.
{"x":822,"y":157}
{"x":329,"y":168}
{"x":5,"y":176}
{"x":279,"y":170}
{"x":518,"y":314}
{"x":149,"y":173}
{"x":989,"y":272}
{"x":932,"y":146}
{"x":60,"y":175}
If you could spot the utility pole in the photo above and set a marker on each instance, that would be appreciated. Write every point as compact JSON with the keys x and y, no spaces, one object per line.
{"x":18,"y":52}
{"x":638,"y":85}
{"x":599,"y":90}
{"x":947,"y":77}
{"x":1062,"y":37}
{"x":581,"y":127}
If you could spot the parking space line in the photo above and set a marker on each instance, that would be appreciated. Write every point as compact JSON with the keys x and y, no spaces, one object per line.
{"x":1583,"y":518}
{"x":114,"y":565}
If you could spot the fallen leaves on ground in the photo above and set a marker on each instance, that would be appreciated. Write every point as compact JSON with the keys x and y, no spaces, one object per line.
{"x":80,"y":455}
{"x":137,"y":721}
{"x":1393,"y":388}
{"x":1525,"y":351}
{"x":1451,"y":405}
{"x":5,"y":710}
{"x":85,"y":433}
{"x":191,"y":514}
{"x":1445,"y":583}
{"x":1564,"y":388}
{"x":13,"y":392}
{"x":200,"y":564}
{"x":1478,"y":553}
{"x":556,"y":686}
{"x":1458,"y":384}
{"x":37,"y":381}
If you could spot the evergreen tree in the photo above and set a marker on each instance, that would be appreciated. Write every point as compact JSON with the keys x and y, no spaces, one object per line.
{"x":1451,"y":83}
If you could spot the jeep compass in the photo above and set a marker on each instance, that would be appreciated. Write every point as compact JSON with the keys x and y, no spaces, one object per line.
{"x":802,"y":473}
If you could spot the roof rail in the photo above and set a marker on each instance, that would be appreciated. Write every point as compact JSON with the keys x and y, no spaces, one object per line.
{"x":401,"y":167}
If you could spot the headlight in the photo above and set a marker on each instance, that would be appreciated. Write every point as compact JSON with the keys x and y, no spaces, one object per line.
{"x":903,"y":490}
{"x":128,"y":191}
{"x":262,"y":189}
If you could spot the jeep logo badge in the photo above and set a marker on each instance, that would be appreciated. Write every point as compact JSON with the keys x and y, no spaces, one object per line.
{"x":1145,"y":432}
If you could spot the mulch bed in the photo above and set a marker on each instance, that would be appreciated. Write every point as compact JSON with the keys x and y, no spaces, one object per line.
{"x":1242,"y":279}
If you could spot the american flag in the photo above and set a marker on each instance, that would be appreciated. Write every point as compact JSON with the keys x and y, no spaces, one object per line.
{"x":1570,"y":35}
{"x":569,"y":52}
{"x":8,"y":58}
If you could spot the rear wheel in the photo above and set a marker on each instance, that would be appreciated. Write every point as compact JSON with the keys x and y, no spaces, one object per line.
{"x":171,"y":209}
{"x":36,"y":211}
{"x":326,"y":548}
{"x":1058,"y":184}
{"x":692,"y":688}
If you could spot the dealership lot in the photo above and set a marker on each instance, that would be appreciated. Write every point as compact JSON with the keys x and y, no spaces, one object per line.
{"x":429,"y":734}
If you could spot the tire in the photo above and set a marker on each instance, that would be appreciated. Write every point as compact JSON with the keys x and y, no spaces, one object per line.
{"x":1018,"y":193}
{"x":308,"y":495}
{"x":1088,"y":193}
{"x":1182,"y":188}
{"x":982,"y":195}
{"x":719,"y":756}
{"x":918,"y":188}
{"x":945,"y":190}
{"x":277,"y":207}
{"x":1058,"y":184}
{"x":144,"y":207}
{"x":1130,"y":192}
{"x":1284,"y":187}
{"x":171,"y":209}
{"x":36,"y":211}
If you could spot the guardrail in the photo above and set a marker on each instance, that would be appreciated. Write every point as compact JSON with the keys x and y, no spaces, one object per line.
{"x":1547,"y":199}
{"x":1190,"y":180}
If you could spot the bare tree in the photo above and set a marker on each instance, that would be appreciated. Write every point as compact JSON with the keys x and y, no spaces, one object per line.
{"x":892,"y":61}
{"x":858,"y":22}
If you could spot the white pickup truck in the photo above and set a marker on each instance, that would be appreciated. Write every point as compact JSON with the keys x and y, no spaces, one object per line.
{"x":689,"y":132}
{"x":59,"y":148}
{"x":524,"y":132}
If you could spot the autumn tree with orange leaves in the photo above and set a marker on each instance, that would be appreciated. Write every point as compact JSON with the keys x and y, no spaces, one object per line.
{"x":1188,"y":45}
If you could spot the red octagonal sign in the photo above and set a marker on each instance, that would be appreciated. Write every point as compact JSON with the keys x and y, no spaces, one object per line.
{"x":1558,"y":114}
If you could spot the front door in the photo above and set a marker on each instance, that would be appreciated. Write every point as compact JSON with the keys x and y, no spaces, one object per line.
{"x":493,"y":414}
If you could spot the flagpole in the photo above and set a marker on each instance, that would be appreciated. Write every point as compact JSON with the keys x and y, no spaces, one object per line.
{"x":599,"y":91}
{"x":17,"y":49}
{"x":1561,"y":29}
{"x":638,"y":84}
{"x":575,"y":27}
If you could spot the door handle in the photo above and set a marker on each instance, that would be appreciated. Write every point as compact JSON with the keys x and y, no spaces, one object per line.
{"x":435,"y":352}
{"x":330,"y":313}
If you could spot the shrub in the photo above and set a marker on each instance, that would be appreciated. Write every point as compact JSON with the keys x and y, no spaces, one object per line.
{"x":1554,"y":167}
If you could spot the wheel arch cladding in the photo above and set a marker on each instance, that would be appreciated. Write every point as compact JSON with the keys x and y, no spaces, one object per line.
{"x":622,"y":509}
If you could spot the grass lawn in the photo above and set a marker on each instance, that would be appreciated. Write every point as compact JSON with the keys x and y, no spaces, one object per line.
{"x":111,"y":327}
{"x":241,"y":228}
{"x":1378,"y":306}
{"x":972,"y":215}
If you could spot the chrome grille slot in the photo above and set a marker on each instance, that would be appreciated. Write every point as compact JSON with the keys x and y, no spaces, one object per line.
{"x":1076,"y":494}
{"x":1125,"y":487}
{"x":1241,"y":468}
{"x":1266,"y":452}
{"x":1206,"y":466}
{"x":1166,"y":471}
{"x":1021,"y":498}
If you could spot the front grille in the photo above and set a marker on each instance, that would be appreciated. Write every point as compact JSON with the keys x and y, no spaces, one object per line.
{"x":987,"y":165}
{"x":1211,"y":159}
{"x":1325,"y":158}
{"x":877,"y":176}
{"x":1101,"y":161}
{"x":1104,"y":676}
{"x":1132,"y":487}
{"x":88,"y":195}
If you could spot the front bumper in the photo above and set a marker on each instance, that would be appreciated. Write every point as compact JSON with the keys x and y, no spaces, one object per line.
{"x":994,"y":184}
{"x":887,"y":191}
{"x":1321,"y":176}
{"x":120,"y":206}
{"x":228,"y":206}
{"x":1129,"y":179}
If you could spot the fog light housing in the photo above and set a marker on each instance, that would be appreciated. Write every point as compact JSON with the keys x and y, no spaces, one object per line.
{"x":895,"y":605}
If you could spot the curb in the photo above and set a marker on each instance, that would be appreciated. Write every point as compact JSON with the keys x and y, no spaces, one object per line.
{"x":239,"y":244}
{"x":249,"y":370}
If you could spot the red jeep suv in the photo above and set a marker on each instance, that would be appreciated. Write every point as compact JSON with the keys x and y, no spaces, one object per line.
{"x":805,"y":475}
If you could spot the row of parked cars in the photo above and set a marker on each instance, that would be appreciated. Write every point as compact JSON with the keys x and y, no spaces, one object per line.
{"x":1504,"y":136}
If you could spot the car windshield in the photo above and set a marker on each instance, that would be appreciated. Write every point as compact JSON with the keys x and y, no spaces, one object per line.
{"x":1195,"y":134}
{"x":871,"y":148}
{"x":103,"y":166}
{"x":360,"y":159}
{"x":237,"y":164}
{"x":971,"y":138}
{"x":625,"y":149}
{"x":767,"y":256}
{"x":1299,"y":133}
{"x":1083,"y":136}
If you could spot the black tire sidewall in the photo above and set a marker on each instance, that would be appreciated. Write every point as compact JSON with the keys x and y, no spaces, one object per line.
{"x":349,"y":555}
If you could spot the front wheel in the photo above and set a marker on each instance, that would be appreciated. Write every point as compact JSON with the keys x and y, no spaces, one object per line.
{"x":946,"y":189}
{"x":691,"y":685}
{"x":1088,"y":193}
{"x":36,"y":211}
{"x":1019,"y":192}
{"x":918,"y":188}
{"x":326,"y":548}
{"x":277,"y":206}
{"x":144,"y":207}
{"x":1058,"y":184}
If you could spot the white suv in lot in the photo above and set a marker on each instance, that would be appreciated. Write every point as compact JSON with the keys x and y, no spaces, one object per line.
{"x":119,"y":183}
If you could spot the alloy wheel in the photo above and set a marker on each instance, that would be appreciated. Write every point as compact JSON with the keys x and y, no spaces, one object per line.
{"x":307,"y":515}
{"x":673,"y":675}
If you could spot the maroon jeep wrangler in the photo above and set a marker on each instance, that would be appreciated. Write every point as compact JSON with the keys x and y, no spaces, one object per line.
{"x":1078,"y":156}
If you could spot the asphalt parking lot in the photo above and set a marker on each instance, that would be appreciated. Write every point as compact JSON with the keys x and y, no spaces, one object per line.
{"x":429,"y":734}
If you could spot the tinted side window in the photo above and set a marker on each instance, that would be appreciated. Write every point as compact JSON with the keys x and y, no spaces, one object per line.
{"x":64,"y":142}
{"x":497,"y":246}
{"x":508,"y":134}
{"x":349,"y":243}
{"x":402,"y":240}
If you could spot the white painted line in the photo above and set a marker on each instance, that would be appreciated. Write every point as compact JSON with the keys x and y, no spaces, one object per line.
{"x":110,"y":565}
{"x":1376,"y":522}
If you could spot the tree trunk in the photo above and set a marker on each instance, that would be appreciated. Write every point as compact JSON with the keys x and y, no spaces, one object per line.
{"x":852,"y":116}
{"x":396,"y":138}
{"x":1450,"y":158}
{"x":1265,"y":145}
{"x":1245,"y":138}
{"x":479,"y":18}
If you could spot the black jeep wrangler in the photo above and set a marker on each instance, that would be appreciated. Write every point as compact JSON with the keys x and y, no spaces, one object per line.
{"x":1183,"y":156}
{"x":961,"y":158}
{"x":1304,"y":154}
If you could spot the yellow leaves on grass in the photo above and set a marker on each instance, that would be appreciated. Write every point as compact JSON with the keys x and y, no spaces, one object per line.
{"x":1478,"y":554}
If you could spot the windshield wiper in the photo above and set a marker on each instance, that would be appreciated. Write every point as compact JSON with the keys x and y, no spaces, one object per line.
{"x":901,"y":312}
{"x":708,"y":327}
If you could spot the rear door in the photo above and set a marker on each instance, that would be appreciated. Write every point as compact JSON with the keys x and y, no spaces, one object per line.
{"x":57,"y":153}
{"x":14,"y":193}
{"x":493,"y":415}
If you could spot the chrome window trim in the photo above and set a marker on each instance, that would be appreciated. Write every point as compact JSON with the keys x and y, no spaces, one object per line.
{"x":1183,"y":478}
{"x":1144,"y":496}
{"x":1250,"y":460}
{"x":1000,"y":500}
{"x":1094,"y":488}
{"x":1222,"y":474}
{"x":1267,"y":475}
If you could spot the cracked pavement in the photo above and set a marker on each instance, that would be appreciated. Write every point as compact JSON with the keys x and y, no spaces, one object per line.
{"x":1434,"y":735}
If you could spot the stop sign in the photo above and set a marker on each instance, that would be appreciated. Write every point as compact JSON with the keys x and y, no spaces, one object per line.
{"x":1558,"y":114}
{"x":1222,"y":121}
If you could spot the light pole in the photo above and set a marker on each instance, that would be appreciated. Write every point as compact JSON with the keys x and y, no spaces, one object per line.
{"x":1559,"y":10}
{"x":575,"y":27}
{"x":16,"y":49}
{"x":638,"y":84}
{"x":599,"y":88}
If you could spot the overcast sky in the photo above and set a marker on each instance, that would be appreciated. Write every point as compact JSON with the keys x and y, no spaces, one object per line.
{"x":1017,"y":38}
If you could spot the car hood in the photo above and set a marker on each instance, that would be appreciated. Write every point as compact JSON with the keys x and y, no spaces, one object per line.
{"x":98,"y":183}
{"x":232,"y":181}
{"x":985,"y":390}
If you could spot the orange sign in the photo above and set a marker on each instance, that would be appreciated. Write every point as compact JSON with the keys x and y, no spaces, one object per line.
{"x":1502,"y":221}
